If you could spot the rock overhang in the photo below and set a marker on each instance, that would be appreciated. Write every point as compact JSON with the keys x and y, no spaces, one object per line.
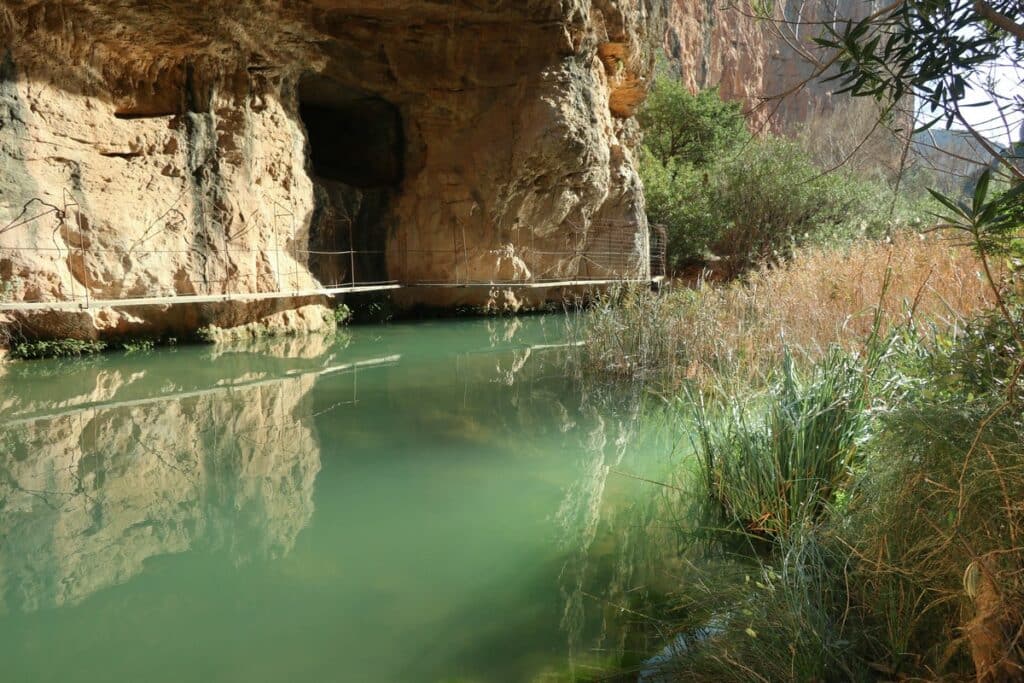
{"x":182,"y":129}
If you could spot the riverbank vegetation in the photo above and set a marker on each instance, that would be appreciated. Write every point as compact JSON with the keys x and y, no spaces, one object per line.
{"x":843,"y":354}
{"x":860,"y":517}
{"x":857,"y":460}
{"x":731,"y":200}
{"x":821,"y":297}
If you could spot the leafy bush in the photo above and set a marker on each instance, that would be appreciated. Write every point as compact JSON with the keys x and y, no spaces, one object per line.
{"x":683,"y":135}
{"x":726,"y":196}
{"x":678,"y":197}
{"x":766,"y":201}
{"x":691,"y":129}
{"x":342,"y":314}
{"x":755,"y":204}
{"x":57,"y":348}
{"x":7,"y":288}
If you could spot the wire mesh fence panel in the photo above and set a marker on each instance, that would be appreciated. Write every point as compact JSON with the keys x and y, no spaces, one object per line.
{"x":659,"y":251}
{"x":183,"y":259}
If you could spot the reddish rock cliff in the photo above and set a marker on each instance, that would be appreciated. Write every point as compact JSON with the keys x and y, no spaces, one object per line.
{"x":722,"y":44}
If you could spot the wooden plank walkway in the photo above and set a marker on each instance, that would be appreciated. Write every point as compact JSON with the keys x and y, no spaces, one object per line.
{"x":92,"y":304}
{"x":524,"y":284}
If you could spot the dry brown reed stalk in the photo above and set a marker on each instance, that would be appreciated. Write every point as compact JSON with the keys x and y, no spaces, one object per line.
{"x":823,"y":297}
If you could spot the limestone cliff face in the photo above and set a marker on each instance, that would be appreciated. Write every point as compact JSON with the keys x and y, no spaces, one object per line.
{"x":204,"y":147}
{"x":722,"y":44}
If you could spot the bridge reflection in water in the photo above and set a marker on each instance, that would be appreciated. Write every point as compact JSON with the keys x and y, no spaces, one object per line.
{"x":285,"y":504}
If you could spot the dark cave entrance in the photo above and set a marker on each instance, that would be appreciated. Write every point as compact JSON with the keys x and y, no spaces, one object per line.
{"x":356,"y":155}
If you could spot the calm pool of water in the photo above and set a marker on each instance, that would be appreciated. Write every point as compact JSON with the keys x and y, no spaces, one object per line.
{"x":418,"y":502}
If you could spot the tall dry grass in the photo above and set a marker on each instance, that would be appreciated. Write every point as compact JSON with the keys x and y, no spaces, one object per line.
{"x":822,"y":298}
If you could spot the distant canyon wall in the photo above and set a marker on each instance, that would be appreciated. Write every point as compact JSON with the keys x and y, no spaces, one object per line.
{"x":721,"y":44}
{"x":218,"y":148}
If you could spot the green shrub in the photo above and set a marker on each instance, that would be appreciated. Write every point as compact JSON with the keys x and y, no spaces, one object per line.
{"x":755,"y":205}
{"x":208,"y":334}
{"x":725,"y":196}
{"x":684,"y":134}
{"x":7,"y":288}
{"x":764,"y":202}
{"x":342,"y":314}
{"x":691,"y":129}
{"x":678,"y":196}
{"x":57,"y":348}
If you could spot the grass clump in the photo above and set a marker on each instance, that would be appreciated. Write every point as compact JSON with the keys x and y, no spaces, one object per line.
{"x":770,"y":462}
{"x":861,"y":491}
{"x":934,"y":528}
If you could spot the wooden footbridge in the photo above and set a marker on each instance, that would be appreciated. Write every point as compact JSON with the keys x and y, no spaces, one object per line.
{"x":56,"y":237}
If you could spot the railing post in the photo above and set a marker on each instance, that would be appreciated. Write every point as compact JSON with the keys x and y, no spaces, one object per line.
{"x":83,"y":244}
{"x":277,"y":253}
{"x":207,"y":244}
{"x":405,"y":255}
{"x":465,"y":250}
{"x":295,"y":256}
{"x":64,"y":225}
{"x":351,"y":253}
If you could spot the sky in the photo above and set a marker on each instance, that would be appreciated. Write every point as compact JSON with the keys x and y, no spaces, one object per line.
{"x":1008,"y":85}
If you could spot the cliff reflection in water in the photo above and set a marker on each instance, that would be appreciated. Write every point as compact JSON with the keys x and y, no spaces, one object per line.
{"x":87,"y":495}
{"x":452,"y":478}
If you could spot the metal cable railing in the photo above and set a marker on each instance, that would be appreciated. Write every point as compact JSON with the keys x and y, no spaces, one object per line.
{"x":229,"y":267}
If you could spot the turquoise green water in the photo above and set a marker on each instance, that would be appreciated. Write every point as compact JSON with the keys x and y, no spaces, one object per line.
{"x":419,"y":502}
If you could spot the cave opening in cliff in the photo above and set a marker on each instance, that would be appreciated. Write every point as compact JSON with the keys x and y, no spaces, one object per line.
{"x":356,"y":153}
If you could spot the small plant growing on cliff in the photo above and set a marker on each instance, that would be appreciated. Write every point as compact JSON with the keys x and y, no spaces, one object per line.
{"x":207,"y":333}
{"x":57,"y":348}
{"x":7,"y":288}
{"x":342,"y":314}
{"x":137,"y":345}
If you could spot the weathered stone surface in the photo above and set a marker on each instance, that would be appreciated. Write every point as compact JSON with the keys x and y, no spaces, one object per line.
{"x":174,"y":139}
{"x":751,"y":61}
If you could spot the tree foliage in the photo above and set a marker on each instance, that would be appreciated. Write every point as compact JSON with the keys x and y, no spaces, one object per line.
{"x":934,"y":50}
{"x":737,"y":200}
{"x":683,"y":127}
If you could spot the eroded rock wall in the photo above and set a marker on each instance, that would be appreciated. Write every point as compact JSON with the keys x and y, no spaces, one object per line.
{"x":166,"y":148}
{"x":724,"y":45}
